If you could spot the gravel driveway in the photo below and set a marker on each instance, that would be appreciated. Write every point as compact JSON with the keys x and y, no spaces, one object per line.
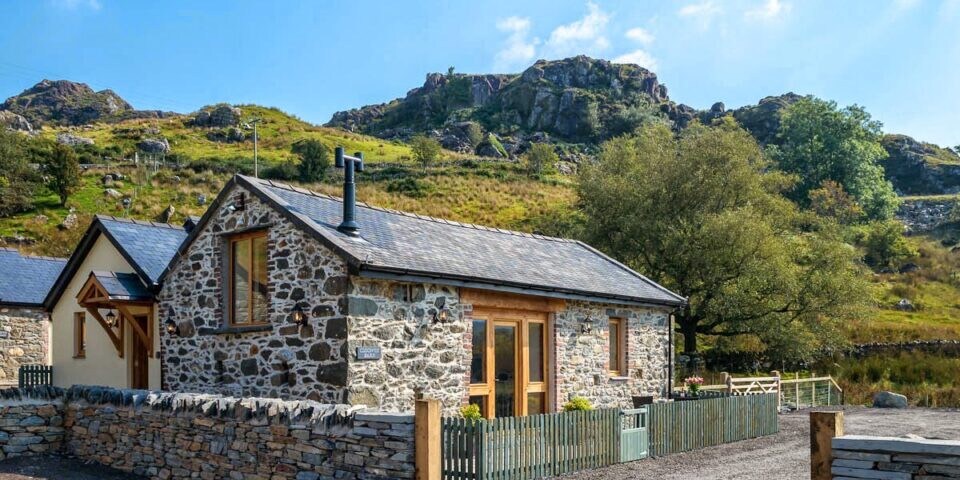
{"x":785,"y":455}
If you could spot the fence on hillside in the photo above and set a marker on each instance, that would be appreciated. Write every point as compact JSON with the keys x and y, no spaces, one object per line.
{"x":530,"y":447}
{"x":33,"y":375}
{"x":683,"y":426}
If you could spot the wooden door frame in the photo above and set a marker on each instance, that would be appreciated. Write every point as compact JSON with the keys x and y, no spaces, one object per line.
{"x":138,"y":347}
{"x":521,"y":320}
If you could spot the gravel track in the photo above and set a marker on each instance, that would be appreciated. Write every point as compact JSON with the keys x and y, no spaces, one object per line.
{"x":785,"y":455}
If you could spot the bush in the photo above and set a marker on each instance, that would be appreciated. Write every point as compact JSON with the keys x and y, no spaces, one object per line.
{"x":471,"y":412}
{"x":540,"y":159}
{"x":410,"y":187}
{"x":282,"y":171}
{"x":578,"y":404}
{"x":425,"y":150}
{"x":884,"y":244}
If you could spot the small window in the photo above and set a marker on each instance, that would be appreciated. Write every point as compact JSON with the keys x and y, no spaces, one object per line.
{"x":248,"y":279}
{"x":79,"y":335}
{"x":478,"y":358}
{"x":617,"y":347}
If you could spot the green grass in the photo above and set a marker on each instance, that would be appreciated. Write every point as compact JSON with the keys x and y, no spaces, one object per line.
{"x":928,"y":380}
{"x":939,"y":198}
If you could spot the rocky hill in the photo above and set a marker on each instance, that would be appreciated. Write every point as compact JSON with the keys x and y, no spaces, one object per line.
{"x":62,"y":102}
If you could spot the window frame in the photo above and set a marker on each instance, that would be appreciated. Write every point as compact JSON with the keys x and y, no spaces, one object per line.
{"x":232,"y":241}
{"x":620,"y":368}
{"x":79,"y":335}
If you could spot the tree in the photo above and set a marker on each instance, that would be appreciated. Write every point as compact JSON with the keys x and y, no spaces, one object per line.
{"x":62,"y":170}
{"x":885,"y":246}
{"x":702,"y":214}
{"x":540,"y":158}
{"x":474,"y":134}
{"x":830,"y":200}
{"x":18,"y":181}
{"x":314,"y":160}
{"x":425,"y":150}
{"x":819,"y":142}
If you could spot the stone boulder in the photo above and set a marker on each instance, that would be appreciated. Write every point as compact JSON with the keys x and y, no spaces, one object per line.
{"x":905,"y":305}
{"x":889,"y":400}
{"x":15,"y":122}
{"x":154,"y":145}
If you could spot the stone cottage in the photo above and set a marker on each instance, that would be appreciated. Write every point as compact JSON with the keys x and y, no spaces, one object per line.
{"x":283,"y":292}
{"x":24,"y":325}
{"x":102,"y":304}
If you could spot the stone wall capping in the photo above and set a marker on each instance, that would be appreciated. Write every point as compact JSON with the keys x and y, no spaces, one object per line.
{"x":896,"y":445}
{"x":373,"y":416}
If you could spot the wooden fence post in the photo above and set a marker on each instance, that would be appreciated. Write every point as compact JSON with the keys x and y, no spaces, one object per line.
{"x":823,"y":427}
{"x":427,"y":426}
{"x":776,"y":373}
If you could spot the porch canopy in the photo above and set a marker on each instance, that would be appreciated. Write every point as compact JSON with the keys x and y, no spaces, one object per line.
{"x":125,"y":294}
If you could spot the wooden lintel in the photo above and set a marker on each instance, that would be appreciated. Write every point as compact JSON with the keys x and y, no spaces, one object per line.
{"x":117,"y":340}
{"x":512,"y":301}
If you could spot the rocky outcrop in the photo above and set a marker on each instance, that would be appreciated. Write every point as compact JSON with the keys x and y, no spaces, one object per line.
{"x":763,"y":119}
{"x":920,"y":168}
{"x":154,"y":145}
{"x":218,"y":116}
{"x":63,"y":102}
{"x":926,"y":215}
{"x":15,"y":122}
{"x":889,"y":400}
{"x":73,"y":140}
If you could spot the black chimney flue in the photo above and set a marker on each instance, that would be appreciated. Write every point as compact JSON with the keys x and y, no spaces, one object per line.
{"x":349,"y":164}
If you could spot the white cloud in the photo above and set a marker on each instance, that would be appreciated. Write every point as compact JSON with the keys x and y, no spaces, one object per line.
{"x":770,"y":10}
{"x":640,"y":36}
{"x":638,"y":57}
{"x":703,"y":10}
{"x":584,"y":36}
{"x":77,"y":4}
{"x":518,"y":48}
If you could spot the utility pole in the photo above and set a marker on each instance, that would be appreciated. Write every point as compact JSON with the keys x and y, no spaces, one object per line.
{"x":256,"y":163}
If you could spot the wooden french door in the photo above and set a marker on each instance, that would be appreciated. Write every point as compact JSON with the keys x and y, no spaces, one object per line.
{"x":508,"y":369}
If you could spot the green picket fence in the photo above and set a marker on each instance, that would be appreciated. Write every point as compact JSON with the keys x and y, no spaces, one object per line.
{"x":33,"y":375}
{"x":530,"y":447}
{"x":683,"y":426}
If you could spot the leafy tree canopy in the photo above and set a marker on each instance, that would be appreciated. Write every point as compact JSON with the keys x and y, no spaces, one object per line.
{"x":62,"y":170}
{"x":540,"y":159}
{"x":702,"y":213}
{"x":17,"y":180}
{"x":426,"y":150}
{"x":314,"y":159}
{"x":820,"y":142}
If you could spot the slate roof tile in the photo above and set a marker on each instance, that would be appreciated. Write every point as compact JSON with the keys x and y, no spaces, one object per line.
{"x":151,"y":245}
{"x":25,"y":280}
{"x":122,"y":286}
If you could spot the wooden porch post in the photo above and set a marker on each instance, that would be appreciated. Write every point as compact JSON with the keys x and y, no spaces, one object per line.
{"x":427,"y":439}
{"x":823,"y":427}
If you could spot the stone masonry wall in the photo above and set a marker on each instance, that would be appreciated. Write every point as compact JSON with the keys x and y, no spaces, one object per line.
{"x":582,"y":365}
{"x":281,"y":360}
{"x":890,"y":458}
{"x":417,"y":355}
{"x":24,"y":339}
{"x":165,"y":435}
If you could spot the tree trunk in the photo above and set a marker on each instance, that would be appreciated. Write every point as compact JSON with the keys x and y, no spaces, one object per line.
{"x":688,"y":327}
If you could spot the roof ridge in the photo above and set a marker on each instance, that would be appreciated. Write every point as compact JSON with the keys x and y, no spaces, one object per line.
{"x":145,"y":223}
{"x":428,"y":218}
{"x":32,"y":257}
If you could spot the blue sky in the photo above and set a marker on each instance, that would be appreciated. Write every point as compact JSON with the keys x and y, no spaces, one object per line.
{"x":898,"y":58}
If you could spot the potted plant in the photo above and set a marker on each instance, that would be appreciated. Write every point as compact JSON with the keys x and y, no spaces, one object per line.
{"x":693,"y":385}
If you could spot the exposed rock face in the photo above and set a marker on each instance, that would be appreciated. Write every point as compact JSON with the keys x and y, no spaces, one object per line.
{"x":763,"y":119}
{"x":73,"y":140}
{"x":63,"y":102}
{"x":15,"y":122}
{"x":925,"y":215}
{"x":24,"y":339}
{"x":570,"y":98}
{"x":920,"y":168}
{"x":220,"y":116}
{"x":154,"y":145}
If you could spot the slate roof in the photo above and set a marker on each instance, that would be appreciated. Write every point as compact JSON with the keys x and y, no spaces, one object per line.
{"x":25,"y":280}
{"x":122,"y":286}
{"x":147,"y":246}
{"x":393,"y":243}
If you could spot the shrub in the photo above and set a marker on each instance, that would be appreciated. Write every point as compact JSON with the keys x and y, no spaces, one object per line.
{"x":578,"y":404}
{"x":471,"y":412}
{"x":425,"y":150}
{"x":410,"y":187}
{"x":282,"y":171}
{"x":885,"y":246}
{"x":540,"y":159}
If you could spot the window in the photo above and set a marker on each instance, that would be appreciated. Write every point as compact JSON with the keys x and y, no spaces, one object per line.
{"x":617,"y":347}
{"x":478,"y":364}
{"x":79,"y":335}
{"x":248,"y":278}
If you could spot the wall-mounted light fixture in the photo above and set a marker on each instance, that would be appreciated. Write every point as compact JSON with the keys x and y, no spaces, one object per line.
{"x":442,"y":314}
{"x":586,"y":327}
{"x":171,"y":327}
{"x":111,"y":319}
{"x":298,"y":316}
{"x":237,"y":205}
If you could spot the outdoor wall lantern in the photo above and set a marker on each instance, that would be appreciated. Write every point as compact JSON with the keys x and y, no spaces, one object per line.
{"x":586,"y":327}
{"x":111,"y":319}
{"x":299,"y":316}
{"x":172,"y":327}
{"x":442,"y":315}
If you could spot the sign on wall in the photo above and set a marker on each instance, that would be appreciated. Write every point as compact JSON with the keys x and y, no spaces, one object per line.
{"x":368,"y":353}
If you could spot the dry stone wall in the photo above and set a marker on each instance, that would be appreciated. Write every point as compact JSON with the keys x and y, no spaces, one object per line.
{"x":166,"y":435}
{"x":24,"y":339}
{"x":582,"y":366}
{"x":890,"y":458}
{"x":279,"y":359}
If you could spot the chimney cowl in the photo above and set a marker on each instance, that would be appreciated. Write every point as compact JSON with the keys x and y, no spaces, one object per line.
{"x":349,"y":164}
